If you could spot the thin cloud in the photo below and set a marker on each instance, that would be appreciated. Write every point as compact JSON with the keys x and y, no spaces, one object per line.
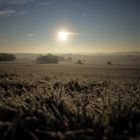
{"x":46,"y":3}
{"x":6,"y":12}
{"x":15,"y":1}
{"x":30,"y":34}
{"x":22,"y":13}
{"x":11,"y":12}
{"x":70,"y":33}
{"x":73,"y":33}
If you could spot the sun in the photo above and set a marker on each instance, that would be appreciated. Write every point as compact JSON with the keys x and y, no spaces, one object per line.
{"x":63,"y":36}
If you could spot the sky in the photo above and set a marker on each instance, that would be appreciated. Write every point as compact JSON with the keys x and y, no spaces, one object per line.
{"x":32,"y":26}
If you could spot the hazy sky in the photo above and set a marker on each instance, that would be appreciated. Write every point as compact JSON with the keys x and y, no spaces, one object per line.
{"x":97,"y":25}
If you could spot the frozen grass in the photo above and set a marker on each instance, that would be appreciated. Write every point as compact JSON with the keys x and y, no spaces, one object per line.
{"x":69,"y":106}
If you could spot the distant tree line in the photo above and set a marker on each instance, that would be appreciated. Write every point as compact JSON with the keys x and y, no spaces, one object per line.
{"x":7,"y":57}
{"x":61,"y":58}
{"x":49,"y":58}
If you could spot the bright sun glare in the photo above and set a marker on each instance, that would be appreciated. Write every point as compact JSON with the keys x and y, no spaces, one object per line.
{"x":63,"y":36}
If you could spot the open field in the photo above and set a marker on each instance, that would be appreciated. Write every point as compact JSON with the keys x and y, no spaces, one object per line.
{"x":69,"y":101}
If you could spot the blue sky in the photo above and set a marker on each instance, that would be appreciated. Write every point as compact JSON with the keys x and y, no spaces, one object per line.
{"x":99,"y":25}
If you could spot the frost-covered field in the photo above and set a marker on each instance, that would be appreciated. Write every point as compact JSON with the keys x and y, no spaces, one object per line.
{"x":68,"y":102}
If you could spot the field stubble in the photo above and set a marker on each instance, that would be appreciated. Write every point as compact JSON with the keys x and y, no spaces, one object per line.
{"x":40,"y":102}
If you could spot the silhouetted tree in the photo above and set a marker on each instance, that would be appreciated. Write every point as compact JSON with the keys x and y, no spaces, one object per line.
{"x":7,"y":57}
{"x":109,"y":63}
{"x":79,"y":62}
{"x":49,"y":58}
